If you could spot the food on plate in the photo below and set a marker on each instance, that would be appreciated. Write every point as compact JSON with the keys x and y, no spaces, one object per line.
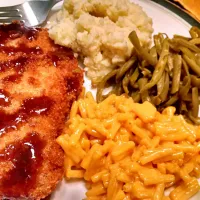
{"x":38,"y":83}
{"x":166,"y":74}
{"x":127,"y":150}
{"x":192,"y":6}
{"x":98,"y":31}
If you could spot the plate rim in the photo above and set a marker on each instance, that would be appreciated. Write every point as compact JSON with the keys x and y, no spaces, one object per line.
{"x":175,"y":9}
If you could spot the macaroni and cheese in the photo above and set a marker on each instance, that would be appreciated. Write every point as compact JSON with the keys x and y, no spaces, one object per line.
{"x":125,"y":150}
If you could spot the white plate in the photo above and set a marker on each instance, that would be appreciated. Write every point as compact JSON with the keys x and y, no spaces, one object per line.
{"x":164,"y":21}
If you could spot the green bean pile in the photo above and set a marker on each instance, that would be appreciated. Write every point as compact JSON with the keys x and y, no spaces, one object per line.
{"x":168,"y":74}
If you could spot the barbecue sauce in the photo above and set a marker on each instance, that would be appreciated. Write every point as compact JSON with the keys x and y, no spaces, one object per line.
{"x":21,"y":48}
{"x":21,"y":51}
{"x":4,"y":98}
{"x":17,"y":64}
{"x":25,"y":157}
{"x":17,"y":30}
{"x":30,"y":108}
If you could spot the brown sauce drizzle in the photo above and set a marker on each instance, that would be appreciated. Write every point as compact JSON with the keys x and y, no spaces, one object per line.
{"x":4,"y":98}
{"x":13,"y":31}
{"x":55,"y":59}
{"x":16,"y":30}
{"x":22,"y":48}
{"x":12,"y":78}
{"x":18,"y":65}
{"x":72,"y":83}
{"x":60,"y":54}
{"x":30,"y":108}
{"x":26,"y":159}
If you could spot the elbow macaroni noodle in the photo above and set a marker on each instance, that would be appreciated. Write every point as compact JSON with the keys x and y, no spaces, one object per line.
{"x":125,"y":150}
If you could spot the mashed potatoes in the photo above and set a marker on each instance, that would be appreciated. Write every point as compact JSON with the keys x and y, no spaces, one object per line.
{"x":98,"y":31}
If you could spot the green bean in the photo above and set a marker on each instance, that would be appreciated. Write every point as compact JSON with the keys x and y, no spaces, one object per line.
{"x":187,"y":52}
{"x":119,"y":88}
{"x":195,"y":101}
{"x":195,"y":82}
{"x":187,"y":44}
{"x":156,"y":100}
{"x":161,"y":39}
{"x":134,"y":77}
{"x":144,"y":63}
{"x":184,"y":89}
{"x":145,"y":94}
{"x":172,"y":100}
{"x":195,"y":32}
{"x":183,"y":107}
{"x":136,"y":86}
{"x":125,"y":81}
{"x":170,"y":65}
{"x":135,"y":40}
{"x":197,"y":58}
{"x":181,"y":37}
{"x":195,"y":120}
{"x":153,"y":53}
{"x":185,"y":67}
{"x":174,"y":46}
{"x":158,"y":44}
{"x":96,"y":81}
{"x":100,"y":86}
{"x":168,"y":74}
{"x":164,"y":93}
{"x":187,"y":97}
{"x":160,"y":84}
{"x":183,"y":92}
{"x":125,"y":68}
{"x":192,"y":64}
{"x":195,"y":41}
{"x":165,"y":49}
{"x":136,"y":96}
{"x":159,"y":69}
{"x":146,"y":72}
{"x":141,"y":51}
{"x":176,"y":74}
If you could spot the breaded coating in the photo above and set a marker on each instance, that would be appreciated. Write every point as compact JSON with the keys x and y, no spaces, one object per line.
{"x":38,"y":83}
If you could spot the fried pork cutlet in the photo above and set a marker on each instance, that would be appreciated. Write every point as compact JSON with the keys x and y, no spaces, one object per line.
{"x":38,"y":83}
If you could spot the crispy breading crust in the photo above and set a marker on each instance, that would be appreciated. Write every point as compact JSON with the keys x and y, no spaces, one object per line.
{"x":59,"y":79}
